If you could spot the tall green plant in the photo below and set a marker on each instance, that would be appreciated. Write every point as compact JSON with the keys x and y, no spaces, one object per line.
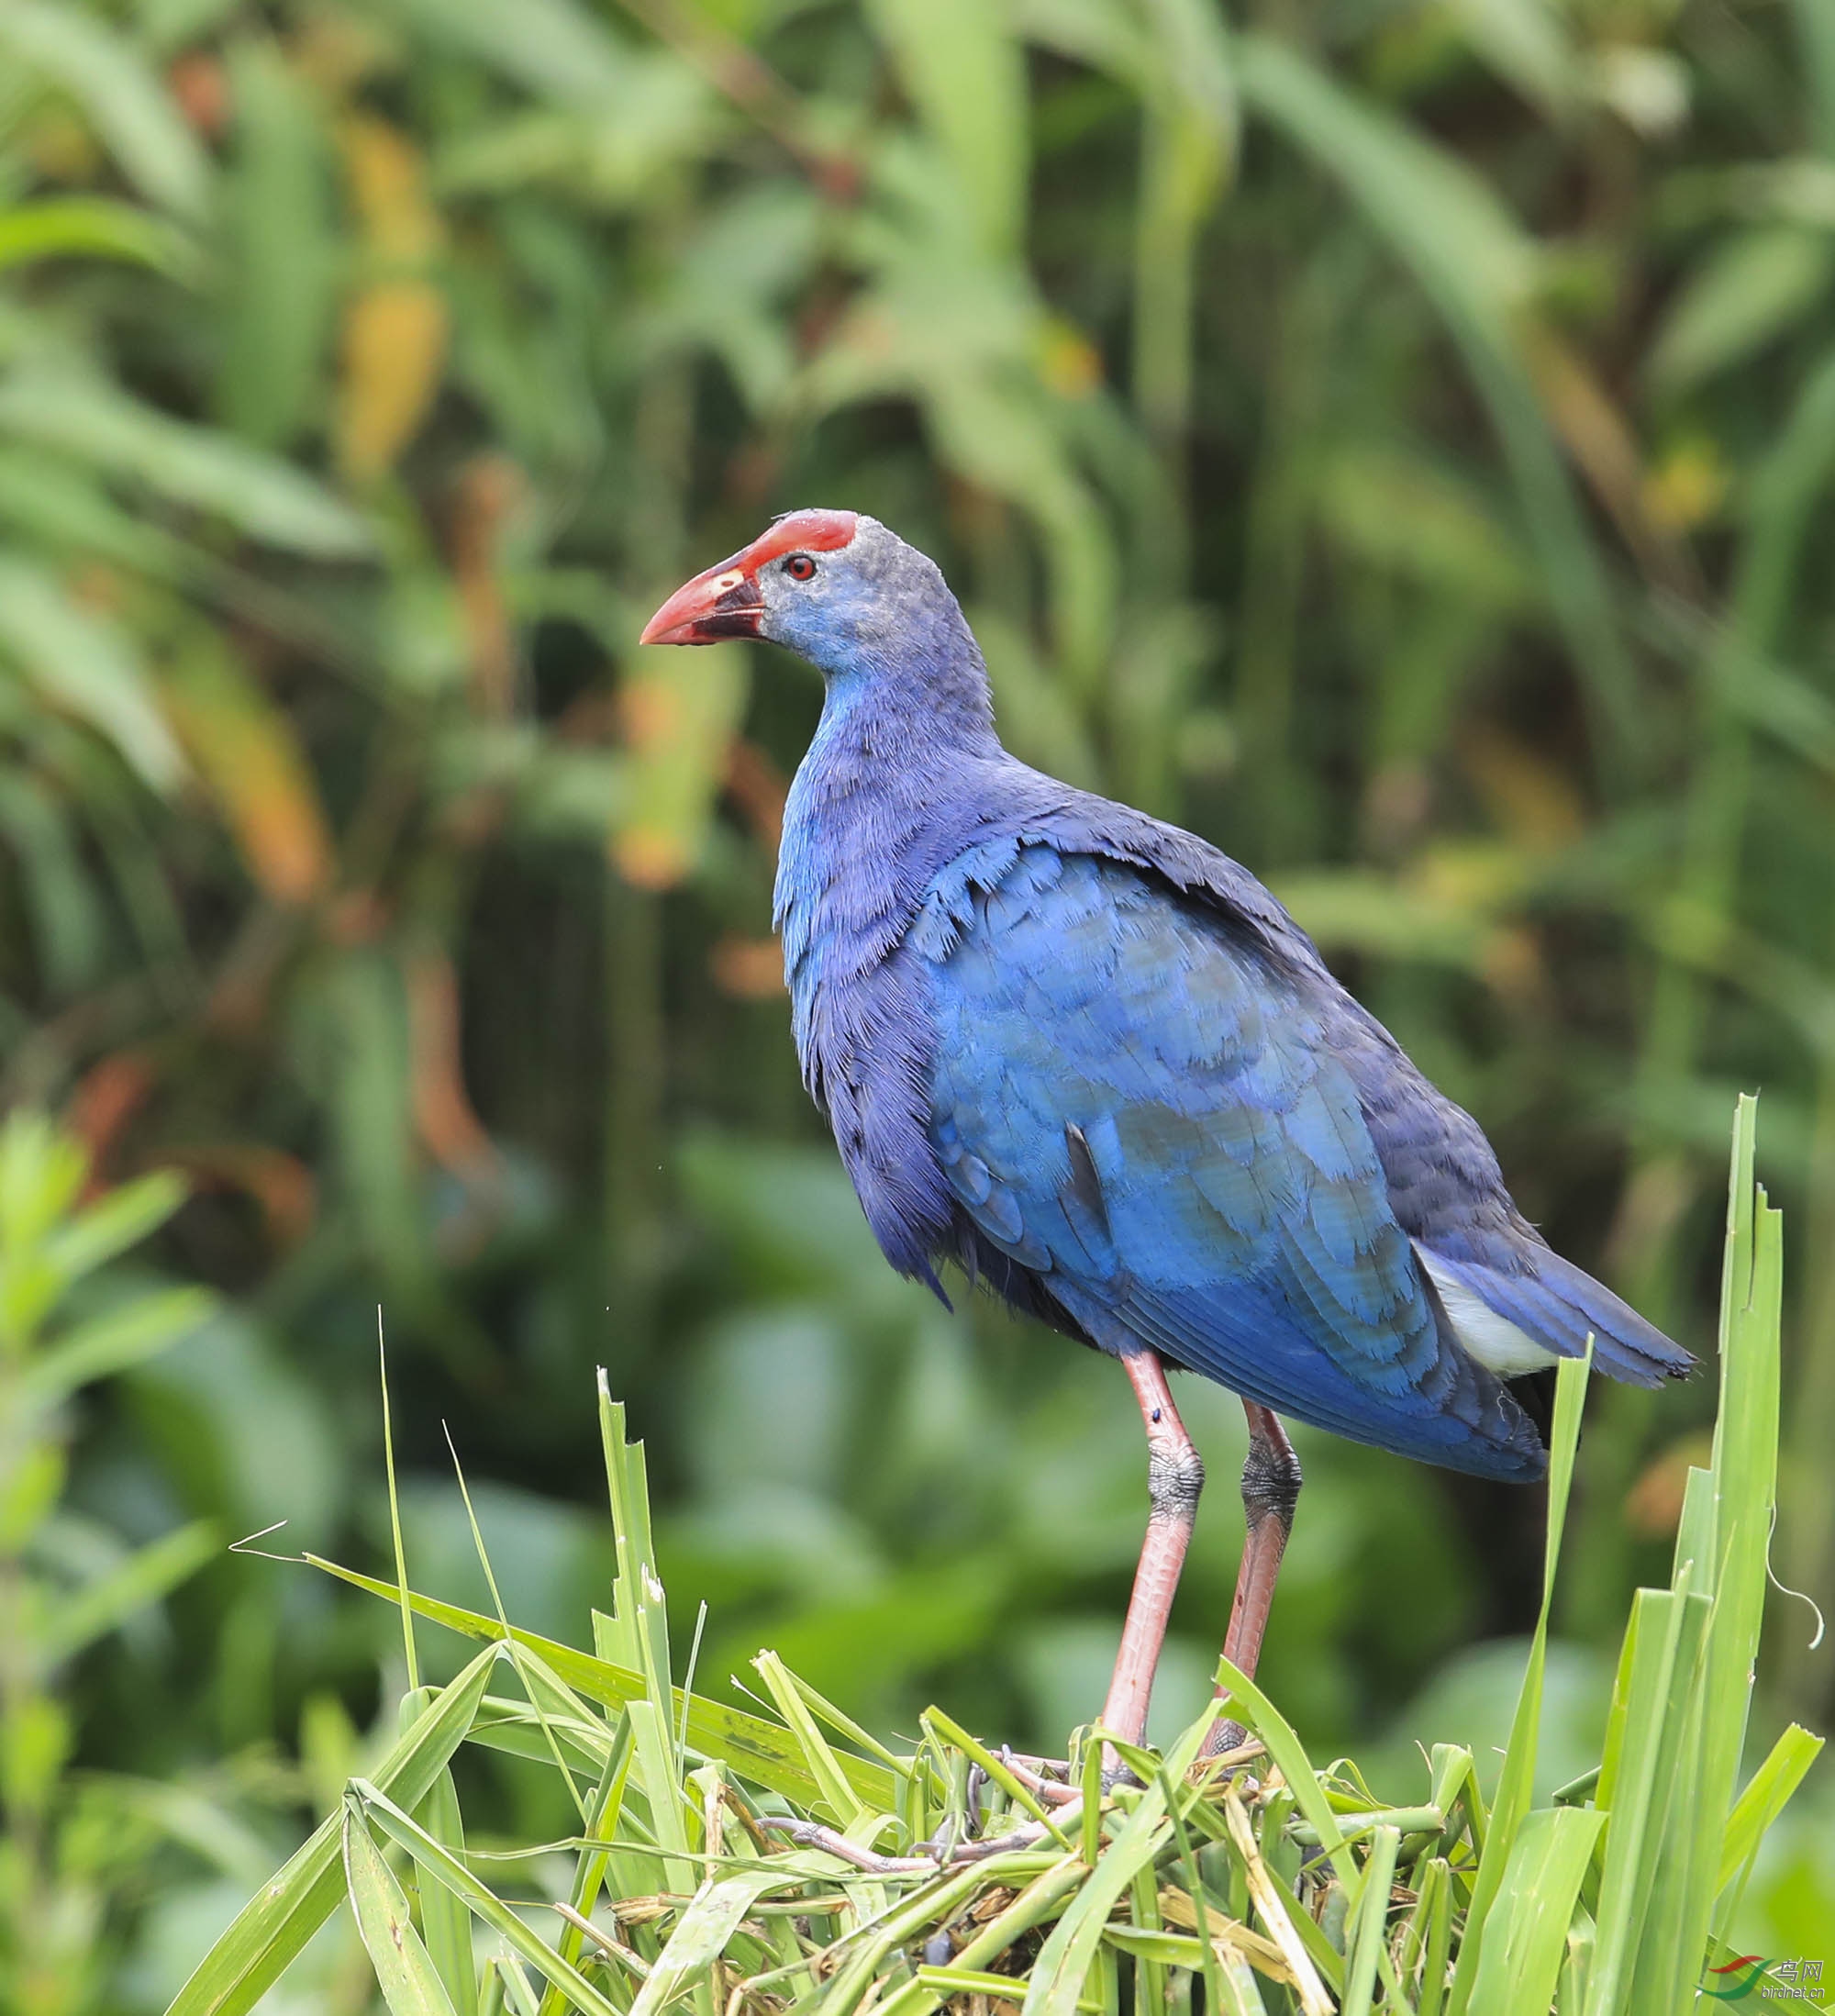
{"x":66,"y":1583}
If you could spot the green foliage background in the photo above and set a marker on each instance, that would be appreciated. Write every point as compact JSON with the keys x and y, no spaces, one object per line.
{"x":1393,"y":440}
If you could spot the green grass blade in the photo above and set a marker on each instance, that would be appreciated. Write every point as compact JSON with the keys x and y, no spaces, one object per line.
{"x":404,"y":1972}
{"x":271,"y":1929}
{"x":1065,"y":1961}
{"x":1253,"y":1708}
{"x":1766,"y":1797}
{"x":1526,"y":1933}
{"x":838,"y":1796}
{"x":700,"y":1938}
{"x":445,"y":1923}
{"x":1653,"y":1639}
{"x":438,"y":1864}
{"x":1370,"y":1927}
{"x":755,"y":1748}
{"x":1516,"y":1783}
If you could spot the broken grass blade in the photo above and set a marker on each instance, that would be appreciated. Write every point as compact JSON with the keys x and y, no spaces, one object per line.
{"x":1764,"y":1798}
{"x":1272,"y":1909}
{"x":824,"y":1766}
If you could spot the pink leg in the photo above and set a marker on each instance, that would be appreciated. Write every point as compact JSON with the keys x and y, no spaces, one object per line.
{"x":1174,"y":1479}
{"x":1270,"y":1488}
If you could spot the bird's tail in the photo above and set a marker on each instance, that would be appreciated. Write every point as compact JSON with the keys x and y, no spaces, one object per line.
{"x":1557,"y":1303}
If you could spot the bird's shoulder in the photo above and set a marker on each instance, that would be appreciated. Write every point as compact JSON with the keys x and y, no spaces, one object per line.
{"x":1024,"y":817}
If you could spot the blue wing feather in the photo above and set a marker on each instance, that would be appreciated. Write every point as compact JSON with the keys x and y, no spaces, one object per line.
{"x":1243,"y":1225}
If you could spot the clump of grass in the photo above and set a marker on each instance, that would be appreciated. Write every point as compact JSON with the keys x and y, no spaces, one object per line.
{"x":738,"y":1865}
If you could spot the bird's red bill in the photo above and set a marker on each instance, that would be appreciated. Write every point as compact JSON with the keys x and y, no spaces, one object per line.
{"x":725,"y":601}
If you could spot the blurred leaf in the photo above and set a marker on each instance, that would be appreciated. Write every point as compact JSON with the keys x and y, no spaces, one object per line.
{"x":678,"y":727}
{"x":80,"y":1616}
{"x":554,"y":48}
{"x":1479,"y":269}
{"x":68,"y":922}
{"x":1754,"y":287}
{"x":103,"y":72}
{"x":394,"y":345}
{"x":283,"y":266}
{"x":140,"y":1329}
{"x":1528,"y":44}
{"x":1036,"y":715}
{"x":86,"y":663}
{"x":117,"y":1220}
{"x":394,"y":330}
{"x":1408,"y":516}
{"x":247,"y":753}
{"x":262,"y":497}
{"x":247,"y":1439}
{"x":89,"y":228}
{"x":965,"y":69}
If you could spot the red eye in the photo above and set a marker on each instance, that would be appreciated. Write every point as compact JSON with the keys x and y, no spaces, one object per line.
{"x":799,"y":566}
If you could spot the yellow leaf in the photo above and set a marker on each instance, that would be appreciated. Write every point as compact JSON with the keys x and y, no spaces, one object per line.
{"x":395,"y":350}
{"x":250,"y":759}
{"x":388,"y":184}
{"x":679,"y":726}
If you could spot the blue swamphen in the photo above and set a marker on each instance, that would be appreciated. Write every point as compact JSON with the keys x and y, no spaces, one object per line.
{"x":1093,"y":1062}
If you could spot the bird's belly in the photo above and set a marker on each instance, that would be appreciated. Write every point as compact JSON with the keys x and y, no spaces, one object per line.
{"x":1493,"y":1339}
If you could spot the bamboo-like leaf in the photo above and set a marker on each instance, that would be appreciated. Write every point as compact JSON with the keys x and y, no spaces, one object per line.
{"x":118,"y":1220}
{"x":86,"y":663}
{"x":90,"y":227}
{"x":1477,"y":266}
{"x":265,"y":499}
{"x":962,"y":66}
{"x":128,"y":1335}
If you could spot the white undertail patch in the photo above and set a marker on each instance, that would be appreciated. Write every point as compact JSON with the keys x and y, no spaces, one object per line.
{"x":1496,"y":1342}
